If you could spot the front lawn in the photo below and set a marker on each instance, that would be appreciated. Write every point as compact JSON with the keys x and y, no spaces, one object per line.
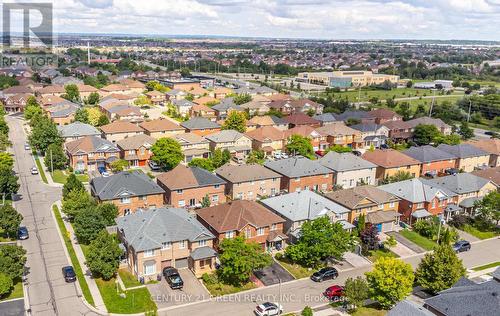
{"x":418,"y":239}
{"x":369,"y":311}
{"x":129,"y":280}
{"x":487,"y":266}
{"x":295,"y":269}
{"x":40,"y":169}
{"x":481,"y":234}
{"x":134,"y":301}
{"x":380,"y":253}
{"x":60,"y":176}
{"x":218,"y":288}
{"x":17,"y":291}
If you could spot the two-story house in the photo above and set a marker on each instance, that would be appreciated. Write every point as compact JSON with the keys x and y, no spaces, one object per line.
{"x":267,"y":139}
{"x":136,"y":149}
{"x":318,"y":141}
{"x":244,"y":218}
{"x":128,"y":190}
{"x":373,"y":135}
{"x":425,"y":120}
{"x":338,"y":133}
{"x":266,"y":120}
{"x":161,"y":127}
{"x":299,"y":173}
{"x":434,"y":161}
{"x":399,"y":130}
{"x":119,"y":130}
{"x":491,"y":146}
{"x":165,"y":237}
{"x":225,"y":107}
{"x":91,"y":153}
{"x":187,"y":186}
{"x":469,"y":158}
{"x":200,"y":126}
{"x":390,"y":161}
{"x":301,"y":119}
{"x":234,"y":141}
{"x":193,"y":146}
{"x":349,"y":170}
{"x":156,"y":97}
{"x":381,"y":115}
{"x":249,"y":181}
{"x":77,"y":130}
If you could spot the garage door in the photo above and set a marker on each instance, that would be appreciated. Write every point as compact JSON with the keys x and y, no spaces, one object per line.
{"x":166,"y":263}
{"x":181,"y":263}
{"x":387,"y":227}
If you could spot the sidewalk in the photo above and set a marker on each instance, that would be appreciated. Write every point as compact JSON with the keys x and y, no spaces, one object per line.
{"x":47,"y":174}
{"x":96,"y":294}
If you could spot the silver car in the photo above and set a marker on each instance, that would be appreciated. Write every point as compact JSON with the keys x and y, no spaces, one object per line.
{"x":34,"y":170}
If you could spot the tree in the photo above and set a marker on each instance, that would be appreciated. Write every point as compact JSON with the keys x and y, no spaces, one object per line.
{"x":88,"y":223}
{"x":397,"y":177}
{"x":356,"y":291}
{"x":220,"y":157}
{"x":44,"y":133}
{"x":32,"y":108}
{"x":320,"y":239}
{"x":8,"y":181}
{"x":93,"y":98}
{"x":235,"y":120}
{"x":205,"y":202}
{"x":4,"y":141}
{"x":72,"y":183}
{"x":167,"y":153}
{"x":204,"y":163}
{"x":6,"y":160}
{"x":10,"y":219}
{"x":488,"y":209}
{"x":465,"y":131}
{"x":108,"y":211}
{"x":82,"y":115}
{"x":352,"y":121}
{"x":425,"y":134}
{"x":119,"y":165}
{"x":390,"y":281}
{"x":103,"y":120}
{"x":12,"y":260}
{"x":404,"y":110}
{"x":300,"y":145}
{"x":452,"y":139}
{"x":242,"y":98}
{"x":185,"y":72}
{"x":55,"y":157}
{"x":369,"y":237}
{"x":240,"y":258}
{"x":256,"y":157}
{"x":307,"y":311}
{"x":72,"y":93}
{"x":6,"y":284}
{"x":103,"y":256}
{"x":339,"y":149}
{"x":439,"y":269}
{"x":94,"y":115}
{"x":77,"y":201}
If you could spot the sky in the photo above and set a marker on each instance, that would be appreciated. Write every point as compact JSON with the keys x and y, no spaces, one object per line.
{"x":315,"y":19}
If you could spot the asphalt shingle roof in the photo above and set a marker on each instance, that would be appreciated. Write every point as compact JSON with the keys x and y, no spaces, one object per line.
{"x":408,"y":308}
{"x":78,"y":129}
{"x":124,"y":184}
{"x":199,"y":123}
{"x":184,"y":177}
{"x":345,"y":162}
{"x":462,"y":150}
{"x":460,"y":183}
{"x":416,"y":190}
{"x":428,"y":153}
{"x":245,"y":173}
{"x":225,"y":136}
{"x":297,"y":166}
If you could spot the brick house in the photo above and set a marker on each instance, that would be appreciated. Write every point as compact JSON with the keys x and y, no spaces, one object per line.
{"x":249,"y":182}
{"x":128,"y":190}
{"x":425,"y":120}
{"x":161,"y":127}
{"x":200,"y":126}
{"x":136,"y":149}
{"x":390,"y":161}
{"x":269,"y":139}
{"x":337,"y":133}
{"x":318,"y":140}
{"x":244,"y":218}
{"x":491,"y":146}
{"x":469,"y":158}
{"x":434,"y":161}
{"x":77,"y":130}
{"x":380,"y":116}
{"x":299,"y":173}
{"x":193,"y":146}
{"x":156,"y":97}
{"x":300,"y":119}
{"x":91,"y":153}
{"x":187,"y":186}
{"x":165,"y":237}
{"x":119,"y":130}
{"x":349,"y":170}
{"x":399,"y":130}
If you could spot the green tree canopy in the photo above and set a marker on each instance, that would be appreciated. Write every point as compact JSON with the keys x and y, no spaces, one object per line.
{"x":390,"y":281}
{"x":55,"y":157}
{"x":439,"y":269}
{"x":6,"y":284}
{"x":72,"y":183}
{"x":93,"y":98}
{"x":8,"y":181}
{"x":103,"y":256}
{"x":235,"y":120}
{"x":300,"y":145}
{"x":32,"y":108}
{"x":44,"y":133}
{"x":397,"y":177}
{"x":6,"y":160}
{"x":82,"y":115}
{"x":72,"y":93}
{"x":339,"y":149}
{"x":102,"y":120}
{"x":88,"y":223}
{"x":76,"y":201}
{"x":220,"y":157}
{"x":425,"y":134}
{"x":12,"y":260}
{"x":465,"y":131}
{"x":488,"y":209}
{"x":356,"y":291}
{"x":119,"y":165}
{"x":10,"y":219}
{"x":108,"y":211}
{"x":242,"y":98}
{"x":204,"y":163}
{"x":256,"y":157}
{"x":167,"y":153}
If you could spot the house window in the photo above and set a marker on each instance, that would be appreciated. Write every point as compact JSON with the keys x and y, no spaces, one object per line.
{"x":297,"y":179}
{"x":149,"y":253}
{"x":91,"y":154}
{"x":179,"y":191}
{"x":252,"y":182}
{"x":202,"y":243}
{"x":229,"y":234}
{"x":166,"y":245}
{"x":433,"y":203}
{"x":182,"y":244}
{"x":240,"y":195}
{"x":125,"y":200}
{"x":420,"y":205}
{"x":273,"y":191}
{"x":250,"y":194}
{"x":143,"y":197}
{"x":275,"y":179}
{"x":273,"y":227}
{"x":215,"y":198}
{"x":391,"y":204}
{"x":150,"y":268}
{"x":126,"y":211}
{"x":182,"y":203}
{"x":381,"y":206}
{"x":131,"y":152}
{"x":260,"y":231}
{"x":248,"y":232}
{"x":217,"y":186}
{"x":192,"y":202}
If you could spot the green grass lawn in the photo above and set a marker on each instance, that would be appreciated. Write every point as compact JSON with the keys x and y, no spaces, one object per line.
{"x":366,"y":95}
{"x":135,"y":301}
{"x":421,"y":241}
{"x":129,"y":280}
{"x":369,"y":311}
{"x":296,"y":270}
{"x":487,"y":266}
{"x":17,"y":291}
{"x":60,"y":176}
{"x":478,"y":233}
{"x":380,"y":253}
{"x":72,"y":255}
{"x":219,"y":288}
{"x":40,"y":169}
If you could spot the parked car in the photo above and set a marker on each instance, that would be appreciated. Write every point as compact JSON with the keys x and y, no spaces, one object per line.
{"x":238,"y":160}
{"x":173,"y":278}
{"x":328,"y":273}
{"x":334,"y":292}
{"x":34,"y":170}
{"x":153,"y":165}
{"x":277,"y":156}
{"x":284,"y":155}
{"x":384,"y":146}
{"x":268,"y":309}
{"x":69,"y":274}
{"x":27,"y":147}
{"x":461,"y":245}
{"x":356,"y":152}
{"x":451,"y":171}
{"x":22,"y":233}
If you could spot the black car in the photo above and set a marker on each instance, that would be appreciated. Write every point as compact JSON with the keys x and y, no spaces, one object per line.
{"x":356,"y":152}
{"x":327,"y":273}
{"x":173,"y":278}
{"x":22,"y":233}
{"x":69,"y":274}
{"x":461,"y":245}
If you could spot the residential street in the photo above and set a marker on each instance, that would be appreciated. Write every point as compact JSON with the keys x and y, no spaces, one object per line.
{"x":48,"y":293}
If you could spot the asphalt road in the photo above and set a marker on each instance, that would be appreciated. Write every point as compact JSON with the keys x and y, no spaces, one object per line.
{"x":297,"y":294}
{"x":48,"y":293}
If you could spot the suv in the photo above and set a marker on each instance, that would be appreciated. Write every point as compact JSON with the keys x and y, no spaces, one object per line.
{"x":461,"y":245}
{"x":173,"y":278}
{"x":69,"y":274}
{"x":268,"y":309}
{"x":327,"y":273}
{"x":153,"y":165}
{"x":334,"y":292}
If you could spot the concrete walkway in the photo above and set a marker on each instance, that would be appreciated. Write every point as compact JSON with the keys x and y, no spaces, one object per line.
{"x":94,"y":290}
{"x":399,"y":249}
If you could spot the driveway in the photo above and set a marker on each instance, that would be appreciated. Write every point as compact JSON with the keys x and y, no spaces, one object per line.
{"x":272,"y":274}
{"x":12,"y":308}
{"x":400,"y":239}
{"x":353,"y":261}
{"x":399,"y":249}
{"x":193,"y":291}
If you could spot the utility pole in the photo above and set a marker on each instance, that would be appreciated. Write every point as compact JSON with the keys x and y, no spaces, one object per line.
{"x":470,"y":106}
{"x":432,"y":103}
{"x":88,"y":53}
{"x":51,"y":164}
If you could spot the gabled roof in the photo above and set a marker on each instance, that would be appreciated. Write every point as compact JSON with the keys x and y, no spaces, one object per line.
{"x":227,"y":104}
{"x":389,"y":158}
{"x":124,"y":184}
{"x":491,"y":145}
{"x":460,"y":183}
{"x":245,"y":173}
{"x":492,"y":174}
{"x":337,"y":129}
{"x":383,"y":113}
{"x":394,"y":125}
{"x":351,"y":114}
{"x":344,"y":162}
{"x":351,"y":198}
{"x":325,"y":117}
{"x":182,"y":103}
{"x":160,"y":125}
{"x":120,"y":127}
{"x":302,"y":130}
{"x":266,"y":133}
{"x":408,"y":308}
{"x":425,"y":120}
{"x":300,"y":119}
{"x":89,"y":144}
{"x":428,"y":154}
{"x":184,"y":177}
{"x":190,"y":138}
{"x":237,"y":214}
{"x":463,"y":150}
{"x":136,"y":141}
{"x":303,"y":205}
{"x":199,"y":123}
{"x":417,"y":190}
{"x":62,"y":109}
{"x":266,"y":120}
{"x":77,"y":129}
{"x":225,"y":136}
{"x":146,"y":230}
{"x":297,"y":166}
{"x":368,"y":127}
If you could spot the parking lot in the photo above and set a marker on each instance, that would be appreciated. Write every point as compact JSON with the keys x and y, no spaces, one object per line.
{"x":193,"y":291}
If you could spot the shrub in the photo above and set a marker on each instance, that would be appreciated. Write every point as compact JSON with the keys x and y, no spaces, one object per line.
{"x":459,"y":220}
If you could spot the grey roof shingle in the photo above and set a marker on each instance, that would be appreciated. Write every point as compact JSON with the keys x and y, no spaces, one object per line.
{"x":345,"y":162}
{"x":460,"y":183}
{"x":124,"y":184}
{"x":428,"y":153}
{"x":367,"y":127}
{"x":145,"y":230}
{"x":416,"y":190}
{"x":351,"y":114}
{"x":297,"y":166}
{"x":199,"y":123}
{"x":225,"y":136}
{"x":78,"y":129}
{"x":325,"y":117}
{"x":203,"y":253}
{"x":227,"y":104}
{"x":462,"y":150}
{"x":245,"y":173}
{"x":408,"y":308}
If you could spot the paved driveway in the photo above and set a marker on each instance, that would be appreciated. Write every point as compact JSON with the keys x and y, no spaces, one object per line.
{"x":12,"y":308}
{"x":409,"y":244}
{"x":193,"y":291}
{"x":272,"y":274}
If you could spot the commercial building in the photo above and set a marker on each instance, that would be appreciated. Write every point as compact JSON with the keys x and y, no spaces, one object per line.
{"x":346,"y":79}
